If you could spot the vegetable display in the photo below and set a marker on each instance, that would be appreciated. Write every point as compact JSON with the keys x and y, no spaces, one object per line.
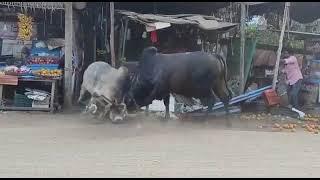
{"x":49,"y":73}
{"x":43,"y":60}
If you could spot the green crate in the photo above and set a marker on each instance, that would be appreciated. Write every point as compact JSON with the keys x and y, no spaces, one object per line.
{"x":21,"y":100}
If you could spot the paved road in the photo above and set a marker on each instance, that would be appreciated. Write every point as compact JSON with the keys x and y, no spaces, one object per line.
{"x":73,"y":145}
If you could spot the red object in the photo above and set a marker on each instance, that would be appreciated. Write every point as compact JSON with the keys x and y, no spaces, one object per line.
{"x":154,"y":37}
{"x":271,"y":98}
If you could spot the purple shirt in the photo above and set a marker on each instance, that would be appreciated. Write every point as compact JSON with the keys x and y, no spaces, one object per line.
{"x":292,"y":70}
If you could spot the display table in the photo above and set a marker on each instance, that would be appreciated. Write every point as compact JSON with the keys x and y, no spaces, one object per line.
{"x":53,"y":90}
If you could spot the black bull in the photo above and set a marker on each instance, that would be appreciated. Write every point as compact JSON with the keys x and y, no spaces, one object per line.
{"x":194,"y":74}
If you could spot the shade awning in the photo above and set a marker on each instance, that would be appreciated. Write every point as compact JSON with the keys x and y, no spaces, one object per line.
{"x":201,"y":21}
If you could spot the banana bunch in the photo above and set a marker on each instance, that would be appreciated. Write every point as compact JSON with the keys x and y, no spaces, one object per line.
{"x":25,"y":27}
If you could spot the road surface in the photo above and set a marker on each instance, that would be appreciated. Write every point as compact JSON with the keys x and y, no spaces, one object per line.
{"x":74,"y":145}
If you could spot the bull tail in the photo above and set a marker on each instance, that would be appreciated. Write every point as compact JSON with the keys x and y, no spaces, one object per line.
{"x":224,"y":64}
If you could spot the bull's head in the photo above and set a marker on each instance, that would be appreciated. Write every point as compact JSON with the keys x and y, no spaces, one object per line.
{"x":130,"y":98}
{"x":138,"y":92}
{"x":117,"y":113}
{"x":140,"y":82}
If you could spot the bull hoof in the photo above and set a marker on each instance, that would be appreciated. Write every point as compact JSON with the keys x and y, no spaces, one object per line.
{"x":101,"y":117}
{"x":165,"y":119}
{"x":116,"y":121}
{"x":228,"y":122}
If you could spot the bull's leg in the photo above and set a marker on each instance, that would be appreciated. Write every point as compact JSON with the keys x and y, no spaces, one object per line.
{"x":82,"y":93}
{"x":147,"y":110}
{"x":223,"y":93}
{"x":224,"y":97}
{"x":166,"y":101}
{"x":211,"y":101}
{"x":106,"y":111}
{"x":225,"y":100}
{"x":157,"y":88}
{"x":92,"y":107}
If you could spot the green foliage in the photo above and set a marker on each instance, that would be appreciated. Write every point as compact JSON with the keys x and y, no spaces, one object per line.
{"x":272,"y":38}
{"x":251,"y":31}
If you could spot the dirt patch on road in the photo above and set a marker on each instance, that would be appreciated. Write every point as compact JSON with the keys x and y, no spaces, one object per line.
{"x":154,"y":122}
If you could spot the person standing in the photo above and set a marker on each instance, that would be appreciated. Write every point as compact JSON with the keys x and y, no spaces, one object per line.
{"x":293,"y":76}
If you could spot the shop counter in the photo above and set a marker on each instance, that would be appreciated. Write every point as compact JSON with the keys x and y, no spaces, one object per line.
{"x":13,"y":108}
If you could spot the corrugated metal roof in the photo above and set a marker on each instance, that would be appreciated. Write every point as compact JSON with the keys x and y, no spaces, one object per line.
{"x":203,"y":22}
{"x":40,"y":5}
{"x":254,"y":3}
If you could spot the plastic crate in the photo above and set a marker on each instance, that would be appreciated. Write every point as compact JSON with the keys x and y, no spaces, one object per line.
{"x":45,"y":52}
{"x":22,"y":101}
{"x":271,"y":98}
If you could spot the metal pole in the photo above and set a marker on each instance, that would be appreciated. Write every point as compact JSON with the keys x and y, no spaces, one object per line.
{"x":242,"y":44}
{"x":276,"y":69}
{"x":113,"y":58}
{"x":68,"y":56}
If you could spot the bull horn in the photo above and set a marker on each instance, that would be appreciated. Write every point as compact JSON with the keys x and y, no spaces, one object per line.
{"x":107,"y":99}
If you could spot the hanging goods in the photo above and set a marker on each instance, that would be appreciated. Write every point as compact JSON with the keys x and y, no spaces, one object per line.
{"x":154,"y":37}
{"x":144,"y":35}
{"x":25,"y":27}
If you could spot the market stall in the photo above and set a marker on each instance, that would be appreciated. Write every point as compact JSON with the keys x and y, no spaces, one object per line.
{"x":31,"y":65}
{"x":43,"y":69}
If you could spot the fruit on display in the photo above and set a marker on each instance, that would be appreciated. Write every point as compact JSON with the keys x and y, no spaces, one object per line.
{"x":43,"y":60}
{"x":25,"y":27}
{"x":49,"y":73}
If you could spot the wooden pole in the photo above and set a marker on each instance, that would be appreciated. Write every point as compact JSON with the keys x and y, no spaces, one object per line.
{"x":68,"y":56}
{"x":113,"y":57}
{"x":106,"y":31}
{"x":124,"y":38}
{"x":120,"y":32}
{"x":94,"y":43}
{"x":242,"y":44}
{"x":284,"y":22}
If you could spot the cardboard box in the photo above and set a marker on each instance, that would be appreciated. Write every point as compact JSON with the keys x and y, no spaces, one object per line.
{"x":14,"y":47}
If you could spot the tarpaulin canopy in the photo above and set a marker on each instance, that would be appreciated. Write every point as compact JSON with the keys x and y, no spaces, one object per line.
{"x":40,"y":5}
{"x":201,"y":21}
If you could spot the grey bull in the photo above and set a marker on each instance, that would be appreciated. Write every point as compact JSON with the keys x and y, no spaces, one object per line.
{"x":106,"y":87}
